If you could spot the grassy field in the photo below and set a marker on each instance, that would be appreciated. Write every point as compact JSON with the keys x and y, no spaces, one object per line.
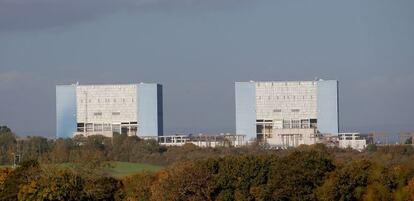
{"x":121,"y":169}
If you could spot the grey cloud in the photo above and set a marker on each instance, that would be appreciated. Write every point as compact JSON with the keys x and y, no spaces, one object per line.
{"x":20,"y":15}
{"x":9,"y":79}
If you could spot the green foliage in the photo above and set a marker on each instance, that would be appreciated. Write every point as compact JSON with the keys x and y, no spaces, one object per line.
{"x":194,"y":173}
{"x":7,"y":145}
{"x":5,"y":129}
{"x":54,"y":185}
{"x":103,"y":188}
{"x":371,"y":148}
{"x":297,"y":175}
{"x":361,"y":180}
{"x":185,"y":181}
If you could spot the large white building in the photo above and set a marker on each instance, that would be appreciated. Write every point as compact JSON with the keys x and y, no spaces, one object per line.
{"x":132,"y":109}
{"x":287,"y":113}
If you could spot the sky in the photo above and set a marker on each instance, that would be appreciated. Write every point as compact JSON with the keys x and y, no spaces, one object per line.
{"x":198,"y":48}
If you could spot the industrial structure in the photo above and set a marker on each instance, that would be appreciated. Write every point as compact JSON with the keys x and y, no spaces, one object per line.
{"x":132,"y":109}
{"x":288,"y":113}
{"x":352,"y":140}
{"x":201,"y":140}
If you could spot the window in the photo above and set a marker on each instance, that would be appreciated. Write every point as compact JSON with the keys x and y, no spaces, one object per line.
{"x":89,"y":127}
{"x":295,"y":110}
{"x":295,"y":123}
{"x":305,"y":123}
{"x":313,"y":123}
{"x":116,"y":128}
{"x":116,"y":113}
{"x":277,"y":110}
{"x":106,"y":127}
{"x":97,"y":113}
{"x":97,"y":127}
{"x":286,"y":124}
{"x":81,"y":127}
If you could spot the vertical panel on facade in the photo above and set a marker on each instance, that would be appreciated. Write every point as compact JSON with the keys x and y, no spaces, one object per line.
{"x":148,"y":110}
{"x":246,"y":109}
{"x":328,"y":120}
{"x":65,"y":111}
{"x":160,"y":110}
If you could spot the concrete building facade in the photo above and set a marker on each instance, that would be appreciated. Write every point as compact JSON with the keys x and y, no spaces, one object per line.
{"x":133,"y":109}
{"x":287,"y":113}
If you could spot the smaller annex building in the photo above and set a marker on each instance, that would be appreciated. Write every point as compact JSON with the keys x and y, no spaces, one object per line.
{"x":132,"y":109}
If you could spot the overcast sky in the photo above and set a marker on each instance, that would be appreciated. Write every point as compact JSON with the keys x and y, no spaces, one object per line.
{"x":198,"y":48}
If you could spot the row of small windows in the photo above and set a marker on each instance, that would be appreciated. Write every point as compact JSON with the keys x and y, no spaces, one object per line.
{"x":279,"y":110}
{"x":285,"y":83}
{"x":108,"y":100}
{"x":285,"y":97}
{"x":100,"y":113}
{"x":269,"y":125}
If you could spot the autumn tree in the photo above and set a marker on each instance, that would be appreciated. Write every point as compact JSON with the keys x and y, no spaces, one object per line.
{"x":28,"y":171}
{"x":138,"y":187}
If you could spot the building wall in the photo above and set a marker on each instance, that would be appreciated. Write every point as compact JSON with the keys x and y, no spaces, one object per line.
{"x":107,"y":103}
{"x":65,"y":111}
{"x":150,"y":109}
{"x":293,"y":137}
{"x":245,"y":95}
{"x":286,"y":100}
{"x":328,"y":109}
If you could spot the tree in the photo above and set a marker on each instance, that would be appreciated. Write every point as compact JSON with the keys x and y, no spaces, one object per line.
{"x":296,"y":176}
{"x":4,"y":173}
{"x":138,"y":187}
{"x":23,"y":175}
{"x":7,"y":145}
{"x":186,"y":181}
{"x":103,"y":188}
{"x":371,"y":148}
{"x":346,"y":183}
{"x":54,"y":184}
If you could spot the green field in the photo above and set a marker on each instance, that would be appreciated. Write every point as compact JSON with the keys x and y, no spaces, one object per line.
{"x":121,"y":169}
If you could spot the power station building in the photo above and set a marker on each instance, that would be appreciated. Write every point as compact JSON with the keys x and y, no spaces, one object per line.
{"x":287,"y":113}
{"x":132,"y":109}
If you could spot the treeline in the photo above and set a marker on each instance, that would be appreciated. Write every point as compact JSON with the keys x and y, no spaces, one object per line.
{"x":98,"y":148}
{"x":306,"y":173}
{"x":249,"y":173}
